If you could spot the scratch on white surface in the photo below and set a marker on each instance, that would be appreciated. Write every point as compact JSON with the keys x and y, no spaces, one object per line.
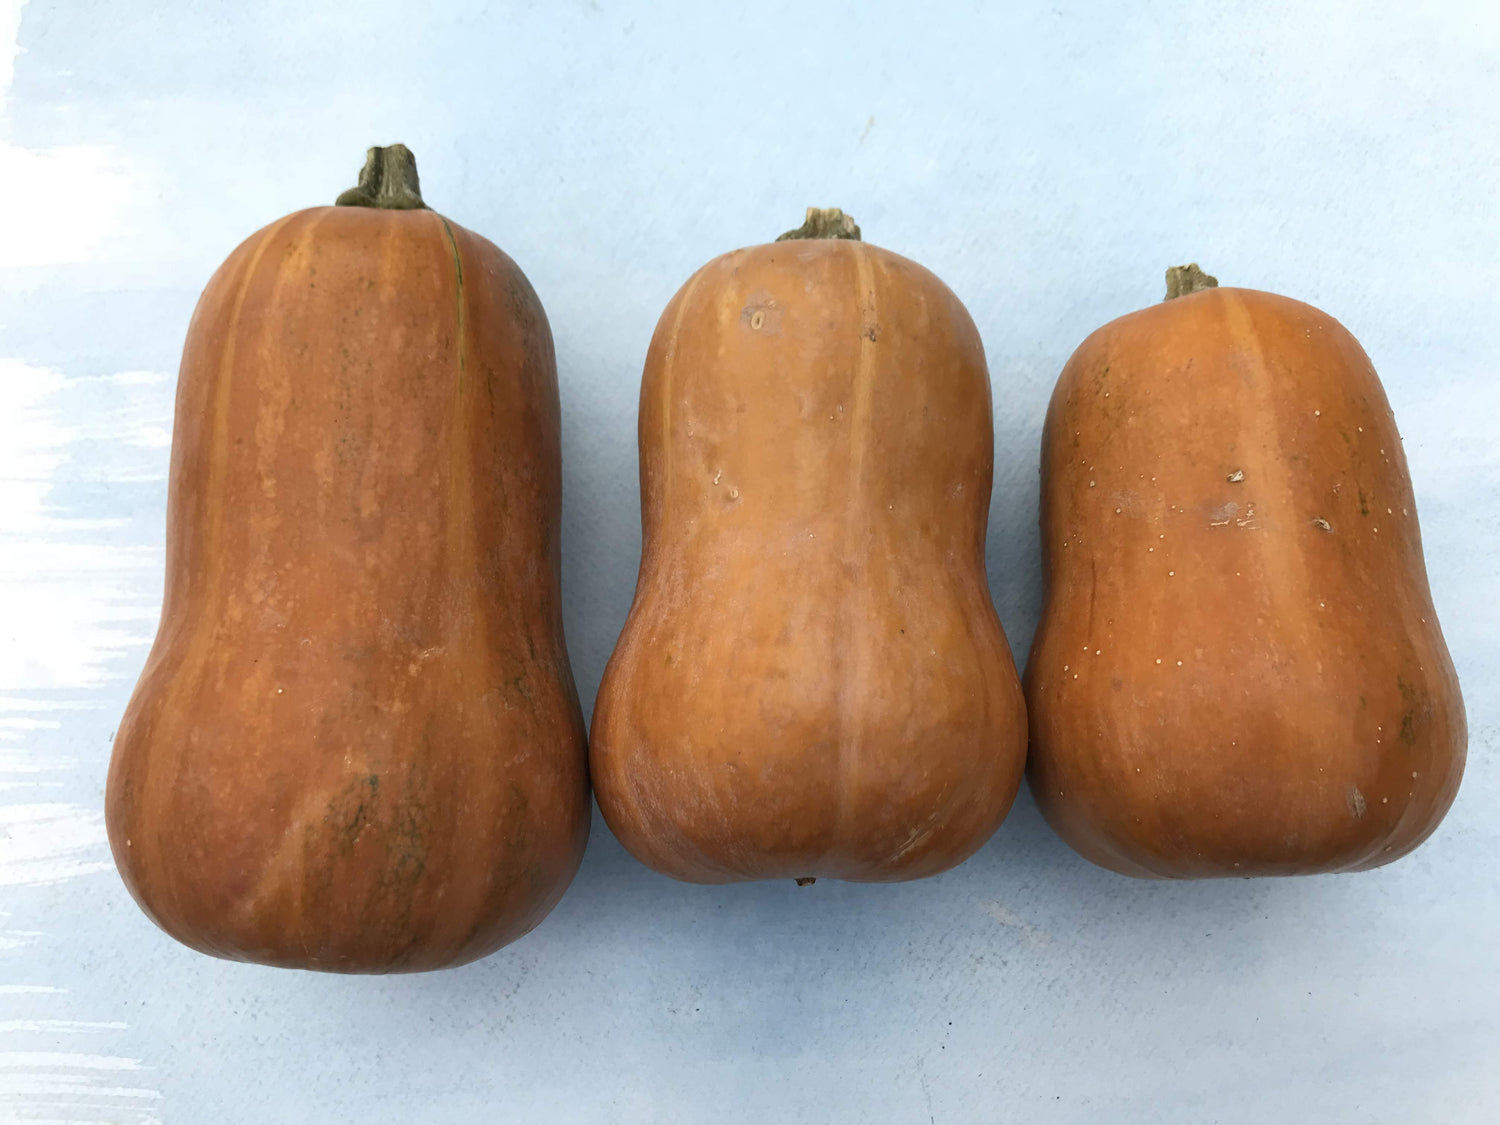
{"x":72,"y":1086}
{"x":48,"y":843}
{"x":17,"y":939}
{"x":1006,"y":917}
{"x":66,"y":1059}
{"x":61,"y":202}
{"x":71,"y":602}
{"x":48,"y":189}
{"x":77,"y":594}
{"x":75,"y":1087}
{"x":71,"y":605}
{"x":28,"y":724}
{"x":10,"y":34}
{"x":22,"y":762}
{"x":17,"y":703}
{"x":66,"y":1027}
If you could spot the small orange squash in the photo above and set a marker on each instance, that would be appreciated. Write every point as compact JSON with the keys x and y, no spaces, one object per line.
{"x":356,"y":745}
{"x":812,"y":680}
{"x":1238,"y":669}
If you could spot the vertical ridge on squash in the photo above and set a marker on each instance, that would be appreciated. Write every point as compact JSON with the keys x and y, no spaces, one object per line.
{"x":356,"y":745}
{"x":812,"y":681}
{"x":1238,"y":670}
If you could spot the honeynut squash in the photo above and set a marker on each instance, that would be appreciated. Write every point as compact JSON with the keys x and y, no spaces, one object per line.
{"x":812,"y":680}
{"x":356,"y":744}
{"x":1238,"y":669}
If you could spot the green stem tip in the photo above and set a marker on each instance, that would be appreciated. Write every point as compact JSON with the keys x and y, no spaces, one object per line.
{"x":388,"y":181}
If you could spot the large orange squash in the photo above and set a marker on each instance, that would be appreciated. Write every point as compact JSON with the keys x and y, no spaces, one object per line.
{"x":356,"y":744}
{"x":812,"y":680}
{"x":1238,"y":669}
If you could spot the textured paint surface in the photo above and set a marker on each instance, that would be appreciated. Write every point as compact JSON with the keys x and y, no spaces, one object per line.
{"x":1047,"y":163}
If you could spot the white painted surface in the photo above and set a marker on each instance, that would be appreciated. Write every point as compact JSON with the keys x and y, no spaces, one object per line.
{"x":1046,"y":160}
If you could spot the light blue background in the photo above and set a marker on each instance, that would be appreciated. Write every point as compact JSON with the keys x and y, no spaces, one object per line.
{"x":1048,"y":161}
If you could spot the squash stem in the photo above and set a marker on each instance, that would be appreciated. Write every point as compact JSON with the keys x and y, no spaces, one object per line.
{"x":1182,"y":280}
{"x":388,"y":181}
{"x":824,"y":222}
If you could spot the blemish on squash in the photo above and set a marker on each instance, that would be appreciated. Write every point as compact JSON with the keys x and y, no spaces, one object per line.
{"x":350,"y":810}
{"x":762,"y":314}
{"x":1410,"y":697}
{"x":1236,"y":476}
{"x":1356,"y":801}
{"x":1319,"y":521}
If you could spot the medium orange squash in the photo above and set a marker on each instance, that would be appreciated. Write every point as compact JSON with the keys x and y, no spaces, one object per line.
{"x":812,"y":680}
{"x":356,"y":744}
{"x":1238,"y":669}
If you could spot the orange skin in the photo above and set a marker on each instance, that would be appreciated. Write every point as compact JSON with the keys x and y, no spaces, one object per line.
{"x":812,"y":680}
{"x":356,"y":745}
{"x":1235,"y":675}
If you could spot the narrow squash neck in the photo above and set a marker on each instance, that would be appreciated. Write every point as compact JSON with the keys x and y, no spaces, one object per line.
{"x":824,"y":222}
{"x":387,"y":181}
